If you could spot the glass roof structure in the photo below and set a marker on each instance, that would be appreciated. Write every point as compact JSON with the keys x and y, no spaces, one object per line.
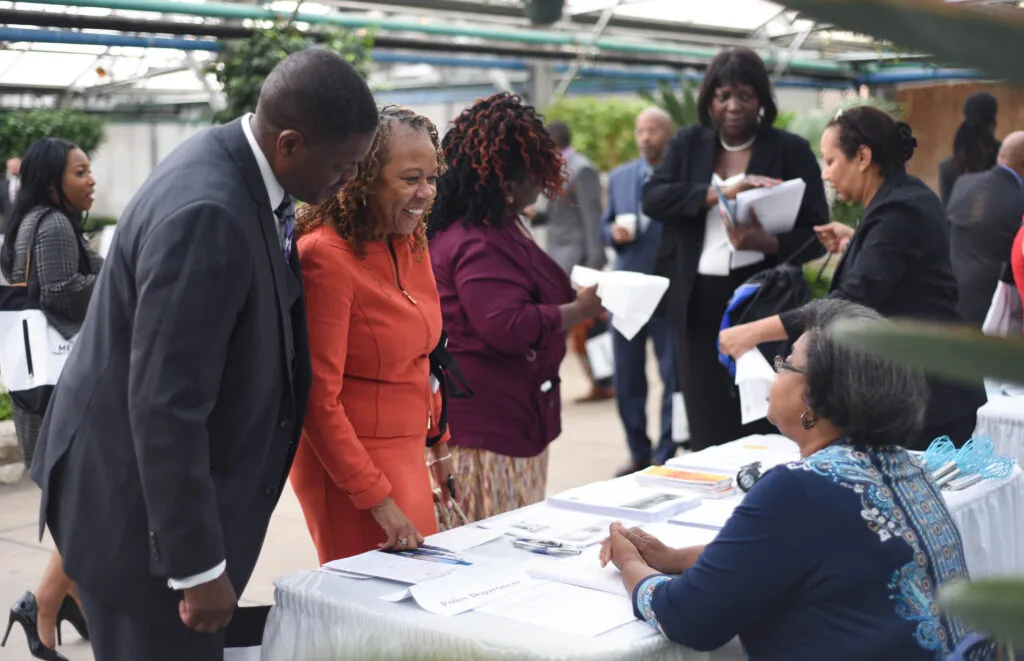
{"x":113,"y":54}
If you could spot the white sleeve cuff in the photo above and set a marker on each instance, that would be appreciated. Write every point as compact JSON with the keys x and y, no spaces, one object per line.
{"x":198,"y":579}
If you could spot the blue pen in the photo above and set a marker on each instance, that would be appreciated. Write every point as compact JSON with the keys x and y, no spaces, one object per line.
{"x":545,"y":547}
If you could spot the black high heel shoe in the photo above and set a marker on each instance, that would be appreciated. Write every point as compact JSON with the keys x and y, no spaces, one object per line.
{"x":70,"y":612}
{"x":25,"y":612}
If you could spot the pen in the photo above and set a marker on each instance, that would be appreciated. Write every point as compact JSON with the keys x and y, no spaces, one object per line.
{"x":451,"y":486}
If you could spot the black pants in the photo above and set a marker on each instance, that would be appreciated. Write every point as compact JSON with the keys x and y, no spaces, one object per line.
{"x":118,"y":635}
{"x":959,"y":431}
{"x":712,"y":401}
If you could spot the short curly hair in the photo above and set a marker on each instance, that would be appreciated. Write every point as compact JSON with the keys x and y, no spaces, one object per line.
{"x":348,"y":208}
{"x":496,"y":140}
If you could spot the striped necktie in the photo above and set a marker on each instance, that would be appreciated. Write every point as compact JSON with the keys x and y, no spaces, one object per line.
{"x":285,"y":213}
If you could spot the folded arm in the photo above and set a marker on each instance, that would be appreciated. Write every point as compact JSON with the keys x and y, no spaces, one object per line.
{"x":495,"y":292}
{"x":193,"y":277}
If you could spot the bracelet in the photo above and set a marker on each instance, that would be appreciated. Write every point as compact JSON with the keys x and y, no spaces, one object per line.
{"x":438,"y":460}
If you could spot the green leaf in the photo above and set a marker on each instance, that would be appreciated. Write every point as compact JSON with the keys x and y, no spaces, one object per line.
{"x":955,"y":352}
{"x":19,"y":129}
{"x":995,"y":607}
{"x":986,"y":38}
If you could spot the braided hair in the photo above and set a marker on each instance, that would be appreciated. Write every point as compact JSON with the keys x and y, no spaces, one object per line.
{"x":348,"y":209}
{"x":495,"y":141}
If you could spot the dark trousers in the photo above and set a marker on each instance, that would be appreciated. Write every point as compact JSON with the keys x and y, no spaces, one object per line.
{"x":630,"y":381}
{"x":959,"y":431}
{"x":712,"y":400}
{"x":117,"y":635}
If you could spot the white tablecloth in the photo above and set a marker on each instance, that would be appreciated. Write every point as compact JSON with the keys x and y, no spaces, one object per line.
{"x":326,"y":617}
{"x":1002,"y":420}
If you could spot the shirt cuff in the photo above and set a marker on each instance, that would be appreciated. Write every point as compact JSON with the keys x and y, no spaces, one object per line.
{"x":643,"y":598}
{"x":198,"y":579}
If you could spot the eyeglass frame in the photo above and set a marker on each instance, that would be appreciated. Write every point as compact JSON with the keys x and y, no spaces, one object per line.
{"x":780,"y":364}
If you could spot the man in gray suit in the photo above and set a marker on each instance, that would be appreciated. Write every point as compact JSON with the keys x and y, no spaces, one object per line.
{"x":574,"y":237}
{"x":574,"y":220}
{"x":170,"y":435}
{"x":985,"y":210}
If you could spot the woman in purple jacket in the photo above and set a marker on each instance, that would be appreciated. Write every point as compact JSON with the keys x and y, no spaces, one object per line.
{"x":506,"y":305}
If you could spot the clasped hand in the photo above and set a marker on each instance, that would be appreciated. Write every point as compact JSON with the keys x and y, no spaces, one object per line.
{"x":625,"y":545}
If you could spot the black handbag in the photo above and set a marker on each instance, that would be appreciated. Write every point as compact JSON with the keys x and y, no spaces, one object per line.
{"x":446,"y":371}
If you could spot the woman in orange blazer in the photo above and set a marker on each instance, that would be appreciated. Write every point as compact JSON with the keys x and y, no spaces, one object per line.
{"x":374,"y":318}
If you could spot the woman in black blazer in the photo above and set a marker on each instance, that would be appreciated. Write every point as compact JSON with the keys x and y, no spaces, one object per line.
{"x":897,"y":261}
{"x":735,"y":140}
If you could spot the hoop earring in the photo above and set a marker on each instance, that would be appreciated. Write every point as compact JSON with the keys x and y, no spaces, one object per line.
{"x":808,"y":419}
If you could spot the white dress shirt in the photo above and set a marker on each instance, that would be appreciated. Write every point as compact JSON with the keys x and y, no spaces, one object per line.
{"x":276,"y":193}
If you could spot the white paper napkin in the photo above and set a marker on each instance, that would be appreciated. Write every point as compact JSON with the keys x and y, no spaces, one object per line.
{"x":630,"y":297}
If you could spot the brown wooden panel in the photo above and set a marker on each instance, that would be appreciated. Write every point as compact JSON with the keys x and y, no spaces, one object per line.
{"x":935,"y":112}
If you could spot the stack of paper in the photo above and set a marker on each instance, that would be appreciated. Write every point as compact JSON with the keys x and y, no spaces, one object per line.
{"x":708,"y":483}
{"x":711,"y":514}
{"x":625,"y":498}
{"x":776,"y":207}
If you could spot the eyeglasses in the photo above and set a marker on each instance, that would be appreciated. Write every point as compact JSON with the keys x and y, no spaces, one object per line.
{"x":781,"y":364}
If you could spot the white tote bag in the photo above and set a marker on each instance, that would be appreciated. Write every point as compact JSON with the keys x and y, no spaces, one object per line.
{"x":32,"y":353}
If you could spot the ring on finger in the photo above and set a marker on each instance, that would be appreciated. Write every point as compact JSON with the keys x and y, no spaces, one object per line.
{"x":404,"y":541}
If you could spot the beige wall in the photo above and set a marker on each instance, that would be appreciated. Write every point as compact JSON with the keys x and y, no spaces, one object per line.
{"x":935,"y":112}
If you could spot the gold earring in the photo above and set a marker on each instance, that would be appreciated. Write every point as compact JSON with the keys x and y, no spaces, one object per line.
{"x":808,"y":419}
{"x":509,"y":199}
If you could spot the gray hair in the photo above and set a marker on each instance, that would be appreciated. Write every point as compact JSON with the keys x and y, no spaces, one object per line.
{"x":869,"y":399}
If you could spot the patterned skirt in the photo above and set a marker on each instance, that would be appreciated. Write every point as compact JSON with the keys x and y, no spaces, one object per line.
{"x":488,"y":483}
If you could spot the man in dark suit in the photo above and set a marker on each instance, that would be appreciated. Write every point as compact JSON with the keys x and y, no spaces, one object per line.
{"x":985,"y":213}
{"x":169,"y":437}
{"x":635,"y":240}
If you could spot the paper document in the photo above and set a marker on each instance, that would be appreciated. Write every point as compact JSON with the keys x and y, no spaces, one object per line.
{"x":754,"y":378}
{"x":585,"y":570}
{"x":424,"y":564}
{"x":542,"y":521}
{"x":470,"y":587}
{"x":631,"y":298}
{"x":776,"y":207}
{"x":464,"y":537}
{"x":710,"y":514}
{"x":564,"y":608}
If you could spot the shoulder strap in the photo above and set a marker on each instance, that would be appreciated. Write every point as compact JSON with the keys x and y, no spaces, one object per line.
{"x":32,"y":243}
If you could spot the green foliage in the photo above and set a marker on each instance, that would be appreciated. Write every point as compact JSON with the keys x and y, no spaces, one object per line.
{"x":602,"y":128}
{"x":20,"y":128}
{"x":5,"y":405}
{"x":993,"y":606}
{"x":680,"y":104}
{"x":242,"y":66}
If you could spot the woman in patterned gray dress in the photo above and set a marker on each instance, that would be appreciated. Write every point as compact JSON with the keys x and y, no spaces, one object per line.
{"x":45,"y":238}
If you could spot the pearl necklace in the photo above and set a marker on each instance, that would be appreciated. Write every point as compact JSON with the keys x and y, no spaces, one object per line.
{"x":746,"y":145}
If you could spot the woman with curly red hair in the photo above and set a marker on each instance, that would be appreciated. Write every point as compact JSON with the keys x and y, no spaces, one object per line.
{"x":374,"y":318}
{"x":506,"y":304}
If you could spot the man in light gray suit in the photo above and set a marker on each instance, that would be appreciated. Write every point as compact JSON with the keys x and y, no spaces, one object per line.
{"x":574,"y":237}
{"x":573,"y":221}
{"x":170,"y":435}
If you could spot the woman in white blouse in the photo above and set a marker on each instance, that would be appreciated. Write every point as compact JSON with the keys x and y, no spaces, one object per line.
{"x":736,"y":145}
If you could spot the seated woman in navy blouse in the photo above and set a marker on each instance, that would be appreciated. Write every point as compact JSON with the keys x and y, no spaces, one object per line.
{"x":836,"y":556}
